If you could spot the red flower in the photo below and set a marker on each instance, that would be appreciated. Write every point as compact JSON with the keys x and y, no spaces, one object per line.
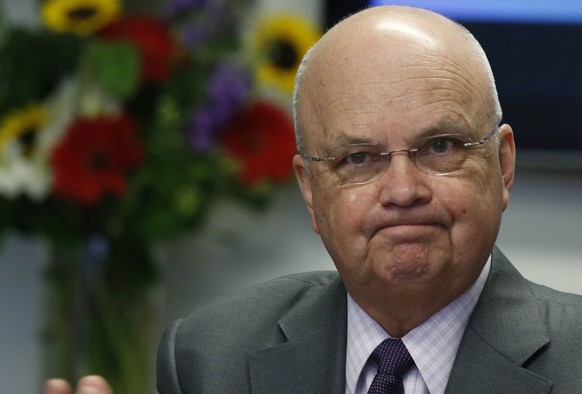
{"x":151,"y":37}
{"x":93,"y":157}
{"x":261,"y":137}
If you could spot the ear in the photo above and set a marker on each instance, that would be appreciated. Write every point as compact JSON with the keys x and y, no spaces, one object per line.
{"x":304,"y":179}
{"x":507,"y":160}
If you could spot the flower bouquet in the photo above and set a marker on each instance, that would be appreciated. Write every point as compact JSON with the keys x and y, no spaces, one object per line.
{"x":122,"y":126}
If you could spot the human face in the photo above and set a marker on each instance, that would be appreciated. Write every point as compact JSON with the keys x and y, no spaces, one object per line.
{"x":407,"y":231}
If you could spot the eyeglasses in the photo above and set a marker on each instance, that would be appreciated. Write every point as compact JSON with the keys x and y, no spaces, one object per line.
{"x":435,"y":155}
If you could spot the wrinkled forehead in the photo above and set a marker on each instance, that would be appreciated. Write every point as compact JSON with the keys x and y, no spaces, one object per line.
{"x":390,"y":75}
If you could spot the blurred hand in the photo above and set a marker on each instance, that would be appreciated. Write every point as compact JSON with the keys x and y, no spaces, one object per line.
{"x":87,"y":385}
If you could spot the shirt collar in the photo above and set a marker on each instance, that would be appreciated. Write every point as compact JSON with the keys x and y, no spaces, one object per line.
{"x":433,"y":345}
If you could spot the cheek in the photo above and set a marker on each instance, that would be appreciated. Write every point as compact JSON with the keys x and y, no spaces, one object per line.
{"x":475,"y":203}
{"x":341,"y":216}
{"x":485,"y":174}
{"x":337,"y":211}
{"x":467,"y":201}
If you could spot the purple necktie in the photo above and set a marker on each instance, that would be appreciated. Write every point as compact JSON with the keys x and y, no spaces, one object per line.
{"x":393,"y":361}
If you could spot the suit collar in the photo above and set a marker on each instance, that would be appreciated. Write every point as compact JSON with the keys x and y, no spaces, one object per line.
{"x":313,"y":357}
{"x":505,"y":330}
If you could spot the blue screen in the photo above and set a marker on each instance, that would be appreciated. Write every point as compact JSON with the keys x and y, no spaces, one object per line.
{"x":534,"y":11}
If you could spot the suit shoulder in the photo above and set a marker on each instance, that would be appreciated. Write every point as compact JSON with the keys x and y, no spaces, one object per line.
{"x":315,"y":279}
{"x":222,"y":335}
{"x":553,"y":296}
{"x":562,"y":311}
{"x":282,"y":289}
{"x":264,"y":303}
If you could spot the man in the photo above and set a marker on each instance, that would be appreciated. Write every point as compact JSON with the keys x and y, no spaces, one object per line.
{"x":405,"y":171}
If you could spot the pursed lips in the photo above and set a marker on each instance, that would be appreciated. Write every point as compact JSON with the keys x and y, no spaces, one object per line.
{"x":408,"y":230}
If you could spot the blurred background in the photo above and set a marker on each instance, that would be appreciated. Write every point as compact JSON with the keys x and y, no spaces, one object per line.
{"x":173,"y":237}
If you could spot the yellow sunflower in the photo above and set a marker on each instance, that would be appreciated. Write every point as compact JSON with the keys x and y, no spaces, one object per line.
{"x":281,"y":41}
{"x":22,"y":127}
{"x":81,"y":17}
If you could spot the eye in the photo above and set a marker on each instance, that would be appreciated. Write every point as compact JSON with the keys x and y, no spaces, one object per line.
{"x":441,"y":145}
{"x":357,"y":158}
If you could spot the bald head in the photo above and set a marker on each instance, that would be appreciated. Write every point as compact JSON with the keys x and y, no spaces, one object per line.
{"x":389,"y":45}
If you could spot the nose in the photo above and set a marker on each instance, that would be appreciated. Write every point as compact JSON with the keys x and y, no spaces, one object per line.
{"x":403,"y":184}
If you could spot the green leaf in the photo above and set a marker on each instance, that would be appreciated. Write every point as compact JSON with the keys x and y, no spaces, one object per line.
{"x":116,"y":66}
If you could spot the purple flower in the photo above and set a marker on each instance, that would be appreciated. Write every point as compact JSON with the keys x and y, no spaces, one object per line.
{"x":203,"y":126}
{"x":193,"y":36}
{"x":179,"y":6}
{"x":228,"y":87}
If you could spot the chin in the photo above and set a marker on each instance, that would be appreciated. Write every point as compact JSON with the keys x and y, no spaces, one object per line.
{"x":406,"y":272}
{"x":410,"y":263}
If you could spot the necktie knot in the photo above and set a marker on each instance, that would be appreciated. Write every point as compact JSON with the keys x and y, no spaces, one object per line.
{"x":392,"y":357}
{"x":393,"y":361}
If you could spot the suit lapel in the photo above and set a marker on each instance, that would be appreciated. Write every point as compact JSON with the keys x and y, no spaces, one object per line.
{"x":313,"y":358}
{"x":505,"y":330}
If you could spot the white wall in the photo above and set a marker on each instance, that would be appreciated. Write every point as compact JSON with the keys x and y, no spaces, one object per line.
{"x":21,"y":314}
{"x":542,"y":228}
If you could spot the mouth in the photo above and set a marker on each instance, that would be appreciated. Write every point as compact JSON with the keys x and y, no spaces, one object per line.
{"x":409,"y":232}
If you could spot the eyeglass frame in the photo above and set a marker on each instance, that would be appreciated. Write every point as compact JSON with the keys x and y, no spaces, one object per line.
{"x":410,"y":153}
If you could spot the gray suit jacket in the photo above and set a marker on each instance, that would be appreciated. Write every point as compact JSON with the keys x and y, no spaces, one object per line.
{"x":289,"y":336}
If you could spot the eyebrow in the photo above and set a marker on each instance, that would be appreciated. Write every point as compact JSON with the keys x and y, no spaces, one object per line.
{"x":346,"y":139}
{"x":446,"y":125}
